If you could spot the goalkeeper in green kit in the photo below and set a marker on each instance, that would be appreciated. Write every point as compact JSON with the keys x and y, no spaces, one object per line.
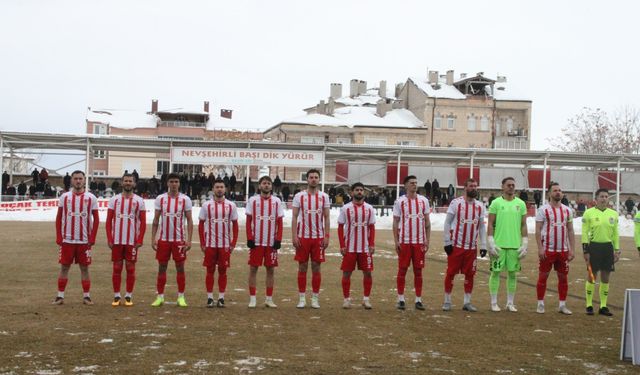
{"x":507,"y":242}
{"x":601,"y":246}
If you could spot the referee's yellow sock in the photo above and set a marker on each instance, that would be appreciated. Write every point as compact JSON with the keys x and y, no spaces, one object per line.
{"x":589,"y":288}
{"x":604,"y":294}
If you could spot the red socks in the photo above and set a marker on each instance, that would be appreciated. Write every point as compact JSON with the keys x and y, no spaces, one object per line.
{"x":181,"y":280}
{"x":208,"y":280}
{"x":400,"y":281}
{"x":417,"y":281}
{"x":346,"y":286}
{"x":367,"y":283}
{"x":468,"y":284}
{"x":316,"y":278}
{"x":302,"y":282}
{"x":62,"y":284}
{"x":252,"y":291}
{"x":222,"y":280}
{"x":131,"y":276}
{"x":563,"y":286}
{"x":86,"y":285}
{"x":116,"y":277}
{"x":161,"y":282}
{"x":269,"y":291}
{"x":448,"y":283}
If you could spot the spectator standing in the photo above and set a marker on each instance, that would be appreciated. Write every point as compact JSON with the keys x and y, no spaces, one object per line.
{"x":66,"y":180}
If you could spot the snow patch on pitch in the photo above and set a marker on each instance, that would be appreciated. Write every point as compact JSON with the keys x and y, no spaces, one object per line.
{"x":86,"y":369}
{"x":251,"y":364}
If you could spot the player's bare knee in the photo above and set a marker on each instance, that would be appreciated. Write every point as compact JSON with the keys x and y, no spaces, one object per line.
{"x":366,"y":274}
{"x":346,"y":274}
{"x":315,"y":267}
{"x":270,"y":271}
{"x":162,"y":268}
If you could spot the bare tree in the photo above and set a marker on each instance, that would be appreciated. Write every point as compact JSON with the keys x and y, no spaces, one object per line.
{"x":594,"y":131}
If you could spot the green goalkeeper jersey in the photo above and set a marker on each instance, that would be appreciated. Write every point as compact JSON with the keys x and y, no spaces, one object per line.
{"x":600,"y":226}
{"x":508,"y":233}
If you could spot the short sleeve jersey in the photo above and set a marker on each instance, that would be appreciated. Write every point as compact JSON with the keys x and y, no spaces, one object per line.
{"x":172,"y":216}
{"x":412,"y":214}
{"x":555,"y":231}
{"x":77,"y":211}
{"x":509,"y":214}
{"x":356,"y":219}
{"x":466,"y":222}
{"x":218,"y":217}
{"x":264,"y":212}
{"x":600,"y":226}
{"x":126,"y":214}
{"x":310,"y":214}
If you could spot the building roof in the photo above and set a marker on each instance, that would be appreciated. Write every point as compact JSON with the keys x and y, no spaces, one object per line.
{"x":370,"y":97}
{"x":357,"y":116}
{"x":132,"y":119}
{"x":502,"y":90}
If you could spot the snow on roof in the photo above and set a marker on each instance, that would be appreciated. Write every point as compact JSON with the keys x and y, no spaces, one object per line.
{"x":370,"y":97}
{"x":445,"y":91}
{"x":351,"y":116}
{"x":131,"y":119}
{"x":505,"y":91}
{"x":119,"y":118}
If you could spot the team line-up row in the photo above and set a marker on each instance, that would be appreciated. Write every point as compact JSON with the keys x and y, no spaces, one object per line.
{"x":504,"y":238}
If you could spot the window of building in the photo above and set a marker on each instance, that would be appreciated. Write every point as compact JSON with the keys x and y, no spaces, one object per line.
{"x":100,"y":129}
{"x":407,"y":143}
{"x":484,"y":123}
{"x":100,"y":154}
{"x":162,"y":167}
{"x":451,"y":123}
{"x":99,"y":173}
{"x":471,"y":123}
{"x":314,"y":140}
{"x":303,"y":176}
{"x":344,"y":141}
{"x":437,"y":122}
{"x":498,"y":128}
{"x":375,"y":141}
{"x":509,"y":125}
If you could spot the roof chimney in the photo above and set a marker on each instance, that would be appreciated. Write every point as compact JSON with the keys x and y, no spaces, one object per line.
{"x":382,"y":89}
{"x":206,"y":106}
{"x":353,"y":88}
{"x":502,"y":79}
{"x":398,"y":90}
{"x":463,"y":75}
{"x":331,"y":107}
{"x":433,"y":77}
{"x":383,"y":106}
{"x":154,"y":106}
{"x":449,"y":77}
{"x":335,"y":91}
{"x":321,"y":108}
{"x":362,"y":87}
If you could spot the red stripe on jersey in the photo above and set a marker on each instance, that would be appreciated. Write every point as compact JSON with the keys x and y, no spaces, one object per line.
{"x":73,"y":217}
{"x":165,"y":219}
{"x":129,"y":223}
{"x":555,"y":229}
{"x":309,"y":225}
{"x":456,"y":242}
{"x":546,"y":213}
{"x":348,"y":231}
{"x":318,"y":230}
{"x":464,"y":229}
{"x":410,"y":222}
{"x":269,"y":222}
{"x":357,"y":228}
{"x":66,"y":217}
{"x":563,"y":225}
{"x":474,"y":224}
{"x":224,"y":224}
{"x":402,"y":222}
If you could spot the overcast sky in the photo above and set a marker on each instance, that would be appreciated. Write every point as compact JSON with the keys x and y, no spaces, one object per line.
{"x":267,"y":60}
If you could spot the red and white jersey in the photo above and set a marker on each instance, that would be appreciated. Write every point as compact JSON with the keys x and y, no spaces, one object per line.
{"x":555,"y":234}
{"x":265,"y":212}
{"x":218,"y":217}
{"x":126,"y":214}
{"x":356,"y":219}
{"x":310,"y":215}
{"x":412,"y":213}
{"x":172,"y":216}
{"x":467,"y":218}
{"x":77,"y":211}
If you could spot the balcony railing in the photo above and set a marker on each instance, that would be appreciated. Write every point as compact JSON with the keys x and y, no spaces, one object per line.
{"x":182,"y":124}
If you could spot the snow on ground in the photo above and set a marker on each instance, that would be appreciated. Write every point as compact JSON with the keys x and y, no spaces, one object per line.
{"x":626,"y":226}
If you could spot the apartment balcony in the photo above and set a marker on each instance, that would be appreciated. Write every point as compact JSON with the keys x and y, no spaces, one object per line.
{"x":512,"y":142}
{"x":182,"y":124}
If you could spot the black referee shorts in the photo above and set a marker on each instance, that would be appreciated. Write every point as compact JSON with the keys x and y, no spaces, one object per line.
{"x":601,"y":256}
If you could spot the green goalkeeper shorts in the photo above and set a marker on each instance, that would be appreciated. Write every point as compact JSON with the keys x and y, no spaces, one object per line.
{"x":507,"y":260}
